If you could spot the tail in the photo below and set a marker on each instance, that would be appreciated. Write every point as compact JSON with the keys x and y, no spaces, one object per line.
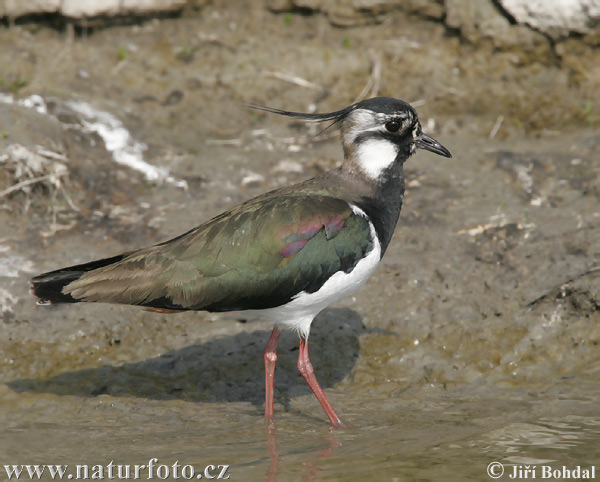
{"x":48,"y":287}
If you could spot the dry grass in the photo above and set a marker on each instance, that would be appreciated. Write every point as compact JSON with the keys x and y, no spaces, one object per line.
{"x":35,"y":176}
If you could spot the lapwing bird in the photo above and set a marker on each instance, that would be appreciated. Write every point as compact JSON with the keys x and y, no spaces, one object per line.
{"x":289,"y":253}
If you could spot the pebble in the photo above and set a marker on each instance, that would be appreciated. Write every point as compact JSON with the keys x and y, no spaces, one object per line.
{"x":252,"y":179}
{"x":288,"y":165}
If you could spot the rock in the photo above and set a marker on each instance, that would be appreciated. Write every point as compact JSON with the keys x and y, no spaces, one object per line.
{"x":344,"y":13}
{"x":475,"y":19}
{"x":252,"y":179}
{"x":288,"y":166}
{"x":555,"y":18}
{"x":314,"y":5}
{"x":480,"y":20}
{"x":280,"y":5}
{"x":18,"y":8}
{"x":354,"y":14}
{"x":87,"y":8}
{"x":359,"y":12}
{"x":135,"y":6}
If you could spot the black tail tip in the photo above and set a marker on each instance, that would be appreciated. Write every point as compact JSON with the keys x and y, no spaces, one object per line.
{"x":48,"y":288}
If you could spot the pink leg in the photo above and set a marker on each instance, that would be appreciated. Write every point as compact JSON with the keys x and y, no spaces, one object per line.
{"x":272,"y":451}
{"x":306,"y":370}
{"x":270,"y":356}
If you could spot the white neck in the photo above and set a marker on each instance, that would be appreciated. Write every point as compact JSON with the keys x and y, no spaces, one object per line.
{"x":374,"y":156}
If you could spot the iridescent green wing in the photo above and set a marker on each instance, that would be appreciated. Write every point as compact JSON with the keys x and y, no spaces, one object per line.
{"x":258,"y":255}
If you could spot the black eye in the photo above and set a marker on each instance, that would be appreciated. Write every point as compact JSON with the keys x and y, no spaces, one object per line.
{"x":393,"y":126}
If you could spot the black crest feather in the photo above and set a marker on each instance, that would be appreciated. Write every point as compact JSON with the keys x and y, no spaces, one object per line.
{"x":336,"y":116}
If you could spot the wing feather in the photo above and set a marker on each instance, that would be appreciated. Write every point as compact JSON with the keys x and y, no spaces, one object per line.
{"x":257,"y":255}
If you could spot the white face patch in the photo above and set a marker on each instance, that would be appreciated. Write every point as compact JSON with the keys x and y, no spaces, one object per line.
{"x":373,"y":153}
{"x":374,"y":156}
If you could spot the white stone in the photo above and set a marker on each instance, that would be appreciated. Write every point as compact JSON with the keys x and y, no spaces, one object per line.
{"x":90,"y":8}
{"x":288,"y":165}
{"x":87,"y":8}
{"x":17,"y":8}
{"x":555,"y":17}
{"x":120,"y":143}
{"x":252,"y":179}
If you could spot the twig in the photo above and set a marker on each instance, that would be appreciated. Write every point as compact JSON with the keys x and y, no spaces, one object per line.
{"x":26,"y":183}
{"x":496,"y":127}
{"x":50,"y":154}
{"x":592,"y":270}
{"x":68,"y":198}
{"x":54,"y":228}
{"x":224,"y":142}
{"x":376,"y":74}
{"x":455,"y":91}
{"x":292,"y":79}
{"x":119,"y":66}
{"x":374,"y":79}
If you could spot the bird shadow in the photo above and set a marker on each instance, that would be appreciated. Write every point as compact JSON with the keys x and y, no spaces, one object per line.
{"x":228,"y":369}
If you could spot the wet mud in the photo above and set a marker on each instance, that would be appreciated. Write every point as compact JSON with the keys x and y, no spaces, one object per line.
{"x":476,"y":340}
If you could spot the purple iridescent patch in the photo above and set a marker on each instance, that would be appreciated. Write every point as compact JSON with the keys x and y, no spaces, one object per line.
{"x":296,"y":241}
{"x":292,"y":248}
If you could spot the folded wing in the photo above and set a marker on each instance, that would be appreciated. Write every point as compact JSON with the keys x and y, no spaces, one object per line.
{"x":258,"y":255}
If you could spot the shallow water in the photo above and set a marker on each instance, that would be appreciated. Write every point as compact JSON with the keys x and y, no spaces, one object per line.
{"x":421,"y":435}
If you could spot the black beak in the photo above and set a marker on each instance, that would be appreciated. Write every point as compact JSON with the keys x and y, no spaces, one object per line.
{"x":430,"y":144}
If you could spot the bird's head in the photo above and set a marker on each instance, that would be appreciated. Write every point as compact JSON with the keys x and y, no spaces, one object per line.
{"x":377,"y":133}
